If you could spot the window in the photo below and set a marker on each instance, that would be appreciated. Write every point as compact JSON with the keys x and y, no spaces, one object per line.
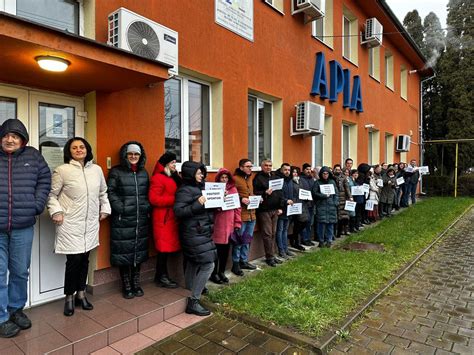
{"x":276,"y":4}
{"x":259,"y":132}
{"x":389,"y":70}
{"x":350,"y":39}
{"x":403,"y":83}
{"x":374,"y":63}
{"x":61,"y":14}
{"x":370,"y":148}
{"x":389,"y":148}
{"x":187,"y":119}
{"x":345,"y":142}
{"x":318,"y":142}
{"x":8,"y":108}
{"x":323,"y":27}
{"x":373,"y":147}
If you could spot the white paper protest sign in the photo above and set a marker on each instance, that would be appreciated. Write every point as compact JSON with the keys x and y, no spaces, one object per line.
{"x":400,"y":181}
{"x":231,"y":202}
{"x":369,"y":205}
{"x":254,"y":202}
{"x":305,"y":195}
{"x":424,"y":170}
{"x":296,"y":208}
{"x":276,"y":184}
{"x":357,"y":190}
{"x":327,"y":189}
{"x":379,"y":182}
{"x":215,"y":186}
{"x":214,"y":198}
{"x":366,"y":188}
{"x":350,"y":206}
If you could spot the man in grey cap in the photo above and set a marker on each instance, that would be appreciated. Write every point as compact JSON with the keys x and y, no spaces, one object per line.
{"x":25,"y":181}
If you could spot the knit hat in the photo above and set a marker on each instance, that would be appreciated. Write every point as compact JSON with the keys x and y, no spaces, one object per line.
{"x":306,"y":165}
{"x":166,"y":158}
{"x":134,"y":148}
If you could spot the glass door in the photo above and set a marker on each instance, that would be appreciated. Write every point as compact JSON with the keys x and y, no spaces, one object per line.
{"x":54,"y":120}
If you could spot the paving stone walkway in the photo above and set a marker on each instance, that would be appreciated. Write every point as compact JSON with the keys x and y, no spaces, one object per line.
{"x":431,"y":310}
{"x":219,"y":335}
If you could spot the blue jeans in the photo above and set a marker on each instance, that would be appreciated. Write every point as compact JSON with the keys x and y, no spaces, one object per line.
{"x":411,"y":191}
{"x":282,"y":234}
{"x":325,"y":232}
{"x":15,"y":257}
{"x":306,"y":233}
{"x":241,"y":252}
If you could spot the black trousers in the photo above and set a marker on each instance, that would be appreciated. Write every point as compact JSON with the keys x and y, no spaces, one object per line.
{"x":161,"y":265}
{"x":222,"y":256}
{"x":75,"y":276}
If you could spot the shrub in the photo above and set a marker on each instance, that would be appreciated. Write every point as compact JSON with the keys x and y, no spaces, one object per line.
{"x":435,"y":185}
{"x":466,"y":185}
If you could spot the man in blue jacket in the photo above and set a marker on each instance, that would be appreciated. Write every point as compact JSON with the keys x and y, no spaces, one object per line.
{"x":25,"y":181}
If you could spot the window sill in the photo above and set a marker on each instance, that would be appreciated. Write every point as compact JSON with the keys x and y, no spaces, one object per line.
{"x":350,"y":61}
{"x":374,"y":78}
{"x":391,"y":89}
{"x":275,"y":8}
{"x":404,"y":98}
{"x":322,"y":42}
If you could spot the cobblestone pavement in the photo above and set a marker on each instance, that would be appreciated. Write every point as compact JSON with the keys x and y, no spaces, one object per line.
{"x":431,"y":310}
{"x":219,"y":335}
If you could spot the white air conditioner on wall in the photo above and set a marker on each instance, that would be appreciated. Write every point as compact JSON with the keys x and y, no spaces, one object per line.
{"x":144,"y":37}
{"x":403,"y":143}
{"x":309,"y":119}
{"x":313,"y":9}
{"x":373,"y":34}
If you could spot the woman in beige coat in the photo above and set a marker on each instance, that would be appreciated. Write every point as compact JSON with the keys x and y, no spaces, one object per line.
{"x":77,"y":202}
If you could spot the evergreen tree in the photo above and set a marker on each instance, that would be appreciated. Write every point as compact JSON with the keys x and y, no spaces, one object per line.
{"x":412,"y":23}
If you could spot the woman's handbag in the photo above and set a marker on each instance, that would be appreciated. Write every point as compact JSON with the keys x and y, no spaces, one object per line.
{"x":237,"y":238}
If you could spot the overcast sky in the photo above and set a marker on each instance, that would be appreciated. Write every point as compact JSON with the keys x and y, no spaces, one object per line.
{"x":401,"y":7}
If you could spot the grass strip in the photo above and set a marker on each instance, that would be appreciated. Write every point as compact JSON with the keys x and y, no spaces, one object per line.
{"x":320,"y":288}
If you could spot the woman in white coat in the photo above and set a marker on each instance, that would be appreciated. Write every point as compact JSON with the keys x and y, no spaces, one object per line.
{"x":77,"y":202}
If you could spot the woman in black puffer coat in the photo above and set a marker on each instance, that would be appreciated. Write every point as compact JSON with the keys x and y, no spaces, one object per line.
{"x":130,"y":224}
{"x":195,"y":233}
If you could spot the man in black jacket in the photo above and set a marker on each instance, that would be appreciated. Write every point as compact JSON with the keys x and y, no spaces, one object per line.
{"x":283,"y":220}
{"x":25,"y":182}
{"x":269,"y":210}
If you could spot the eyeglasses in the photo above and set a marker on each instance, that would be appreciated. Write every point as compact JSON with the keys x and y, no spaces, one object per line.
{"x":248,"y":166}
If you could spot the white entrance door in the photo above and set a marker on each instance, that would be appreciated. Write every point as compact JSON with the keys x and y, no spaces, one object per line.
{"x":51,"y":120}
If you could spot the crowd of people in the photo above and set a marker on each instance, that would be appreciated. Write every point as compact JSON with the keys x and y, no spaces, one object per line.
{"x":171,"y":207}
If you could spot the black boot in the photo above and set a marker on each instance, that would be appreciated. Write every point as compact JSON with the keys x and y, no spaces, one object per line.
{"x":194,"y":307}
{"x":166,"y":282}
{"x":127,"y":291}
{"x":236,"y":269}
{"x":136,"y":289}
{"x":69,"y":305}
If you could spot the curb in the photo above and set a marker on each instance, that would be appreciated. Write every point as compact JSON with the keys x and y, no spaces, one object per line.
{"x":320,"y":346}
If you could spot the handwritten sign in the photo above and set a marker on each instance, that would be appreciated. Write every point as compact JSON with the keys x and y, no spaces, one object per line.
{"x":366,"y":188}
{"x":424,"y":170}
{"x":400,"y":181}
{"x":231,"y":202}
{"x":357,"y":190}
{"x":215,"y":186}
{"x":350,"y":206}
{"x":276,"y":184}
{"x":296,"y":208}
{"x":254,"y":202}
{"x":369,"y":205}
{"x":379,"y":182}
{"x":327,"y":189}
{"x":214,"y":198}
{"x":305,"y":195}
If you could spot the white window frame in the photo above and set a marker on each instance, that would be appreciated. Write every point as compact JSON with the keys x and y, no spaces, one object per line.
{"x":9,"y":6}
{"x":313,"y":149}
{"x":348,"y":142}
{"x":370,"y":147}
{"x":344,"y":19}
{"x":184,"y":119}
{"x":255,"y":158}
{"x":274,"y":7}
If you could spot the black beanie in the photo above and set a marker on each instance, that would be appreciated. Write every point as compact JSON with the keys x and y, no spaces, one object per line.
{"x":306,"y":165}
{"x":166,"y":158}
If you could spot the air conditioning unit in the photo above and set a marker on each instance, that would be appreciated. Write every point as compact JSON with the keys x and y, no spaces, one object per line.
{"x":373,"y":34}
{"x":309,"y":119}
{"x":146,"y":38}
{"x":312,"y":9}
{"x":403,"y":143}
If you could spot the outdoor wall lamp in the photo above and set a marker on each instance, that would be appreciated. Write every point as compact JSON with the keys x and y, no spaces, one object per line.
{"x":51,"y":63}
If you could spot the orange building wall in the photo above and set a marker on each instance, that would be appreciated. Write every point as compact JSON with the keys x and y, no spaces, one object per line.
{"x":280,"y":63}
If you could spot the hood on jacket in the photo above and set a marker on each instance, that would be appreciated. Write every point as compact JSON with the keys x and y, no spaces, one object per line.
{"x":123,"y":155}
{"x":14,"y":125}
{"x":230,"y":182}
{"x":325,"y":169}
{"x":188,"y":172}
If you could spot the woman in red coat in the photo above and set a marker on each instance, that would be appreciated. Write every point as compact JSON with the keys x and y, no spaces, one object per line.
{"x":163,"y":185}
{"x":225,"y":223}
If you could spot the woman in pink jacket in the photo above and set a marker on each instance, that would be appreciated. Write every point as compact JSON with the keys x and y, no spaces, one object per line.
{"x":225,"y":223}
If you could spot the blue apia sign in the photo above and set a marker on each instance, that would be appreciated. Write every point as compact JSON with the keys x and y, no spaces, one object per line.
{"x":340,"y":81}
